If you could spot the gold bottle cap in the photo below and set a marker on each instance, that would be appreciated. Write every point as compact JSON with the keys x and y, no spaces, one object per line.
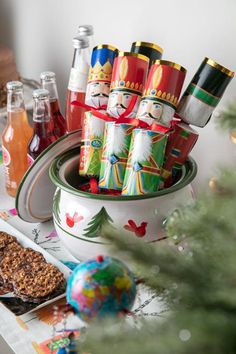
{"x":149,"y":45}
{"x":108,"y":46}
{"x":214,"y":64}
{"x":137,"y":55}
{"x":172,"y":64}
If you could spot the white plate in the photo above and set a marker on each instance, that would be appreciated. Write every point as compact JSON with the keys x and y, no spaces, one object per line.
{"x":35,"y":194}
{"x":17,"y":306}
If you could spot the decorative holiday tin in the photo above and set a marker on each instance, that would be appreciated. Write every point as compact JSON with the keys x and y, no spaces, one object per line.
{"x":80,"y":217}
{"x":128,"y":78}
{"x":151,"y":50}
{"x":204,"y":93}
{"x":114,"y":155}
{"x":146,"y":156}
{"x":99,"y":78}
{"x":179,"y":145}
{"x":161,"y":92}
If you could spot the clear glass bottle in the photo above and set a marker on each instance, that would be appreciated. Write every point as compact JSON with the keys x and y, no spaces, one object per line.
{"x":43,"y":134}
{"x":77,"y":83}
{"x":48,"y":82}
{"x":87,"y":31}
{"x":15,"y":137}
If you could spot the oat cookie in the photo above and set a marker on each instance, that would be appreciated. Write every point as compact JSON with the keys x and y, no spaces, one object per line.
{"x":38,"y":283}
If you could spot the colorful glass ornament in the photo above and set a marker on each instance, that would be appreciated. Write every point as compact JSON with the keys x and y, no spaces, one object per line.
{"x":101,"y":287}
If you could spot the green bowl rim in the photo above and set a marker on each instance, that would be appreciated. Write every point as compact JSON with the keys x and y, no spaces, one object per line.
{"x":191,"y":171}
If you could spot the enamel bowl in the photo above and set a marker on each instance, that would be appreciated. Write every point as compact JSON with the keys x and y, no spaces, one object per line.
{"x":79,"y":217}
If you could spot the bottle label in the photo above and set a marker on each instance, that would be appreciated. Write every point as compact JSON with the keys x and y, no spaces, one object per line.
{"x":6,"y":156}
{"x":30,"y":160}
{"x":78,"y":79}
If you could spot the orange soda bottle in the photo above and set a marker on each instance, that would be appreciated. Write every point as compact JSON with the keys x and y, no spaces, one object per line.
{"x":15,"y":138}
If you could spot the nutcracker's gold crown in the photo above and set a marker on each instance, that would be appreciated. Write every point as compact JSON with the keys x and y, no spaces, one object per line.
{"x":100,"y":72}
{"x":134,"y":87}
{"x":160,"y":95}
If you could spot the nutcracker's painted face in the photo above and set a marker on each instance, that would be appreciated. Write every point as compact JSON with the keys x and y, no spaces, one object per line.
{"x":97,"y":93}
{"x":119,"y":102}
{"x":150,"y":109}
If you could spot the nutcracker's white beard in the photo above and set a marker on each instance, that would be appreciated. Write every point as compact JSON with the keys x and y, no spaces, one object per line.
{"x":97,"y":101}
{"x":96,"y":126}
{"x":115,"y":139}
{"x":165,"y":119}
{"x":117,"y":111}
{"x":142,"y":147}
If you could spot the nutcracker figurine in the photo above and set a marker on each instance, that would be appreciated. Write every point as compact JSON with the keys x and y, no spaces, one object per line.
{"x":161,"y":92}
{"x":146,"y":156}
{"x":98,"y":89}
{"x":114,"y":155}
{"x":204,"y":93}
{"x":99,"y":78}
{"x":179,"y":145}
{"x":128,"y":78}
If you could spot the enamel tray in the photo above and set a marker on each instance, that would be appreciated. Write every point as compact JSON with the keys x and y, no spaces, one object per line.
{"x":14,"y":304}
{"x":35,"y":194}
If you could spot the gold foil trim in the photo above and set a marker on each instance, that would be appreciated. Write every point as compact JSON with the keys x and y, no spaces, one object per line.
{"x":214,"y":64}
{"x":172,"y":64}
{"x":137,"y":55}
{"x":108,"y":46}
{"x":149,"y":45}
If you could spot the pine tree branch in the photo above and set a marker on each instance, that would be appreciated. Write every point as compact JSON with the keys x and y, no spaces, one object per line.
{"x":227,"y":118}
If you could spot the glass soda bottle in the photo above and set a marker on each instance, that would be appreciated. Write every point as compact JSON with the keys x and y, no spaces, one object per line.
{"x":77,"y":83}
{"x":15,"y":138}
{"x":43,"y":134}
{"x":87,"y":31}
{"x":48,"y":82}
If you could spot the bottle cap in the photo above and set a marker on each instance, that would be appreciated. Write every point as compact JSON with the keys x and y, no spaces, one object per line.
{"x":41,"y":94}
{"x":47,"y":76}
{"x":85,"y":30}
{"x":80,"y":42}
{"x":14,"y":86}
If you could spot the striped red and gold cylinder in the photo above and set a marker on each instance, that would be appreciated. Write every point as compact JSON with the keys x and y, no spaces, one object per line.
{"x":180,"y":143}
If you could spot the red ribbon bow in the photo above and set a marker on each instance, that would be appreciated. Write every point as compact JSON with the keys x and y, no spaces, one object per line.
{"x":137,"y":123}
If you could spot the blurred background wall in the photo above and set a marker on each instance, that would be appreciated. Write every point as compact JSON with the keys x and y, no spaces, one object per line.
{"x":40,"y":32}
